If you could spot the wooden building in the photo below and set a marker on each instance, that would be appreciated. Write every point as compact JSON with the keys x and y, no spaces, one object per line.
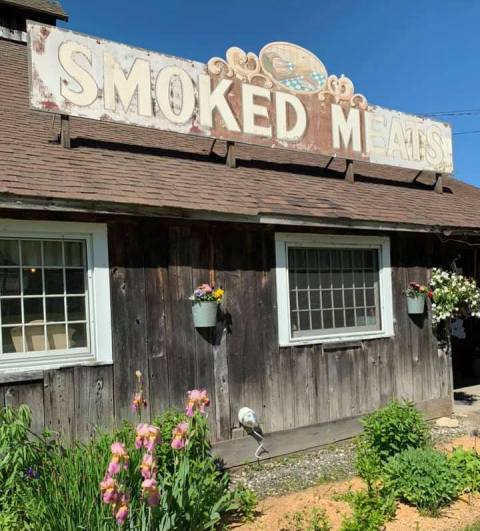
{"x":106,"y":228}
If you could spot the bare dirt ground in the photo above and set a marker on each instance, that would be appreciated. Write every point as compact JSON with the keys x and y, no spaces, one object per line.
{"x":273,"y":511}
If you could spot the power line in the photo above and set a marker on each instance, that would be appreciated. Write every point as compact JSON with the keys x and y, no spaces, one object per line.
{"x":463,"y":112}
{"x":468,"y":132}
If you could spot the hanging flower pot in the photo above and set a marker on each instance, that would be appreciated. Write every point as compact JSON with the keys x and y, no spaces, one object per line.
{"x":416,"y":296}
{"x":205,"y":301}
{"x":204,"y":314}
{"x":416,"y":305}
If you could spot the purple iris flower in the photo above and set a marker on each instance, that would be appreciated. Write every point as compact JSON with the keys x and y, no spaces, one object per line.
{"x":32,"y":473}
{"x":199,"y":293}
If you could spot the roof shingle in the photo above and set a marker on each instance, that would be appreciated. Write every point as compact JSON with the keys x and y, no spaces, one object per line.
{"x":123,"y":165}
{"x":50,"y":7}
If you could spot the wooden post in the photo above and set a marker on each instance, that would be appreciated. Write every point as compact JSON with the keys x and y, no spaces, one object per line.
{"x":65,"y":131}
{"x":439,"y":183}
{"x":349,"y":173}
{"x":230,"y":159}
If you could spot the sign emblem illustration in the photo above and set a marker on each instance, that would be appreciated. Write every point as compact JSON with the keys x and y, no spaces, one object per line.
{"x":292,"y":67}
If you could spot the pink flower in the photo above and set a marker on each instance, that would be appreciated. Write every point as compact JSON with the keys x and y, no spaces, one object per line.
{"x":119,"y":457}
{"x":197,"y":400}
{"x":121,"y":510}
{"x":150,"y":491}
{"x":206,"y":288}
{"x":147,"y":436}
{"x":179,"y":434}
{"x":148,"y":467}
{"x":109,"y":489}
{"x":138,"y":401}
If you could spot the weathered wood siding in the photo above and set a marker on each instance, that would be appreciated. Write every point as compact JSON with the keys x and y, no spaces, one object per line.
{"x":154,"y":267}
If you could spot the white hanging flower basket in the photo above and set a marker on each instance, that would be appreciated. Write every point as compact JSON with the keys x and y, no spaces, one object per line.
{"x":204,"y":314}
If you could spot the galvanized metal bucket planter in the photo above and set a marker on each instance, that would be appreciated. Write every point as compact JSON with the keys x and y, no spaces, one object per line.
{"x":416,"y":305}
{"x":204,"y":314}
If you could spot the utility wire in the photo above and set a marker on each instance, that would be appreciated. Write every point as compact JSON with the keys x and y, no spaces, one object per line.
{"x":464,"y":112}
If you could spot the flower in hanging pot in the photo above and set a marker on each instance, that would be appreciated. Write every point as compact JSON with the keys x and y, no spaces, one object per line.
{"x":205,"y":300}
{"x":416,"y":294}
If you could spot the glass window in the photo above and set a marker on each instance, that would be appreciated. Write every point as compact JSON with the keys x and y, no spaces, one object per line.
{"x":332,"y":288}
{"x":343,"y":280}
{"x":43,"y":295}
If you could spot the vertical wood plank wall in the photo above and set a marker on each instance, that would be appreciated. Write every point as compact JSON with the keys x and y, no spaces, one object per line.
{"x":154,"y":267}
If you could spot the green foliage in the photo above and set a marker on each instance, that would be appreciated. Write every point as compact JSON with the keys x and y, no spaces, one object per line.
{"x":21,"y":461}
{"x":467,"y":465}
{"x":393,"y":429}
{"x":371,"y":509}
{"x":247,"y":501}
{"x":367,"y":462}
{"x":167,"y":422}
{"x":44,"y":486}
{"x":423,"y":478}
{"x":313,"y":520}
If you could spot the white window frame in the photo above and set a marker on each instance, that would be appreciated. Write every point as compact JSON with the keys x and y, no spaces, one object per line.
{"x":284,"y":241}
{"x":98,"y":285}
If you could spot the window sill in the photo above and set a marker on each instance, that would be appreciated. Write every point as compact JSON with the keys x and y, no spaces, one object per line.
{"x":332,"y":343}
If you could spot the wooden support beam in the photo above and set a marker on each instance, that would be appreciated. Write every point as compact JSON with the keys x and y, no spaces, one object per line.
{"x":439,"y":183}
{"x":230,"y":159}
{"x":65,"y":131}
{"x":349,"y":173}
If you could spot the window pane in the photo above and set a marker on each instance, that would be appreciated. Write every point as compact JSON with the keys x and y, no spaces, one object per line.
{"x":316,"y":320}
{"x":302,"y":279}
{"x":32,"y":281}
{"x":33,"y":310}
{"x":76,"y":308}
{"x":371,"y":316}
{"x":326,"y":299}
{"x":11,"y":311}
{"x":52,"y":253}
{"x":294,"y":320}
{"x":55,"y":309}
{"x":348,"y":294}
{"x":303,"y":300}
{"x":12,"y":339}
{"x":56,"y":337}
{"x":78,"y":335}
{"x":304,"y":320}
{"x":337,"y":299}
{"x":9,"y":281}
{"x":327,"y":319}
{"x":370,"y":297}
{"x":315,"y":299}
{"x":35,"y":338}
{"x":74,"y":254}
{"x":9,"y":252}
{"x":54,"y":281}
{"x":350,"y":317}
{"x":31,"y":253}
{"x":75,"y":281}
{"x":339,"y":319}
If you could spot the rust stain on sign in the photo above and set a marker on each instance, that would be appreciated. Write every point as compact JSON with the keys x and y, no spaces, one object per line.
{"x":282,"y":98}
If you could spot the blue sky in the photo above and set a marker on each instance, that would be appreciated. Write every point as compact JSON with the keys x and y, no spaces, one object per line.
{"x":417,"y":56}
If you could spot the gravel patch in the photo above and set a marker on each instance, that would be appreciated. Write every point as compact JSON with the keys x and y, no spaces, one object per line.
{"x":299,"y":471}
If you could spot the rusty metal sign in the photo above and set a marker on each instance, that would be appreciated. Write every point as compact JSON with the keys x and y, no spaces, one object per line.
{"x":282,"y":98}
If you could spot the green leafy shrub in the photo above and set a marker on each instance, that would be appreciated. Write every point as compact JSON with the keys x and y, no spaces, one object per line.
{"x":467,"y":465}
{"x":313,"y":520}
{"x":371,"y":509}
{"x":393,"y":429}
{"x":45,"y":486}
{"x":422,"y":477}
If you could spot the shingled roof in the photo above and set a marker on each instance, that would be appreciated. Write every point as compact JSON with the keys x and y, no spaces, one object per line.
{"x":116,"y":167}
{"x":49,"y":7}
